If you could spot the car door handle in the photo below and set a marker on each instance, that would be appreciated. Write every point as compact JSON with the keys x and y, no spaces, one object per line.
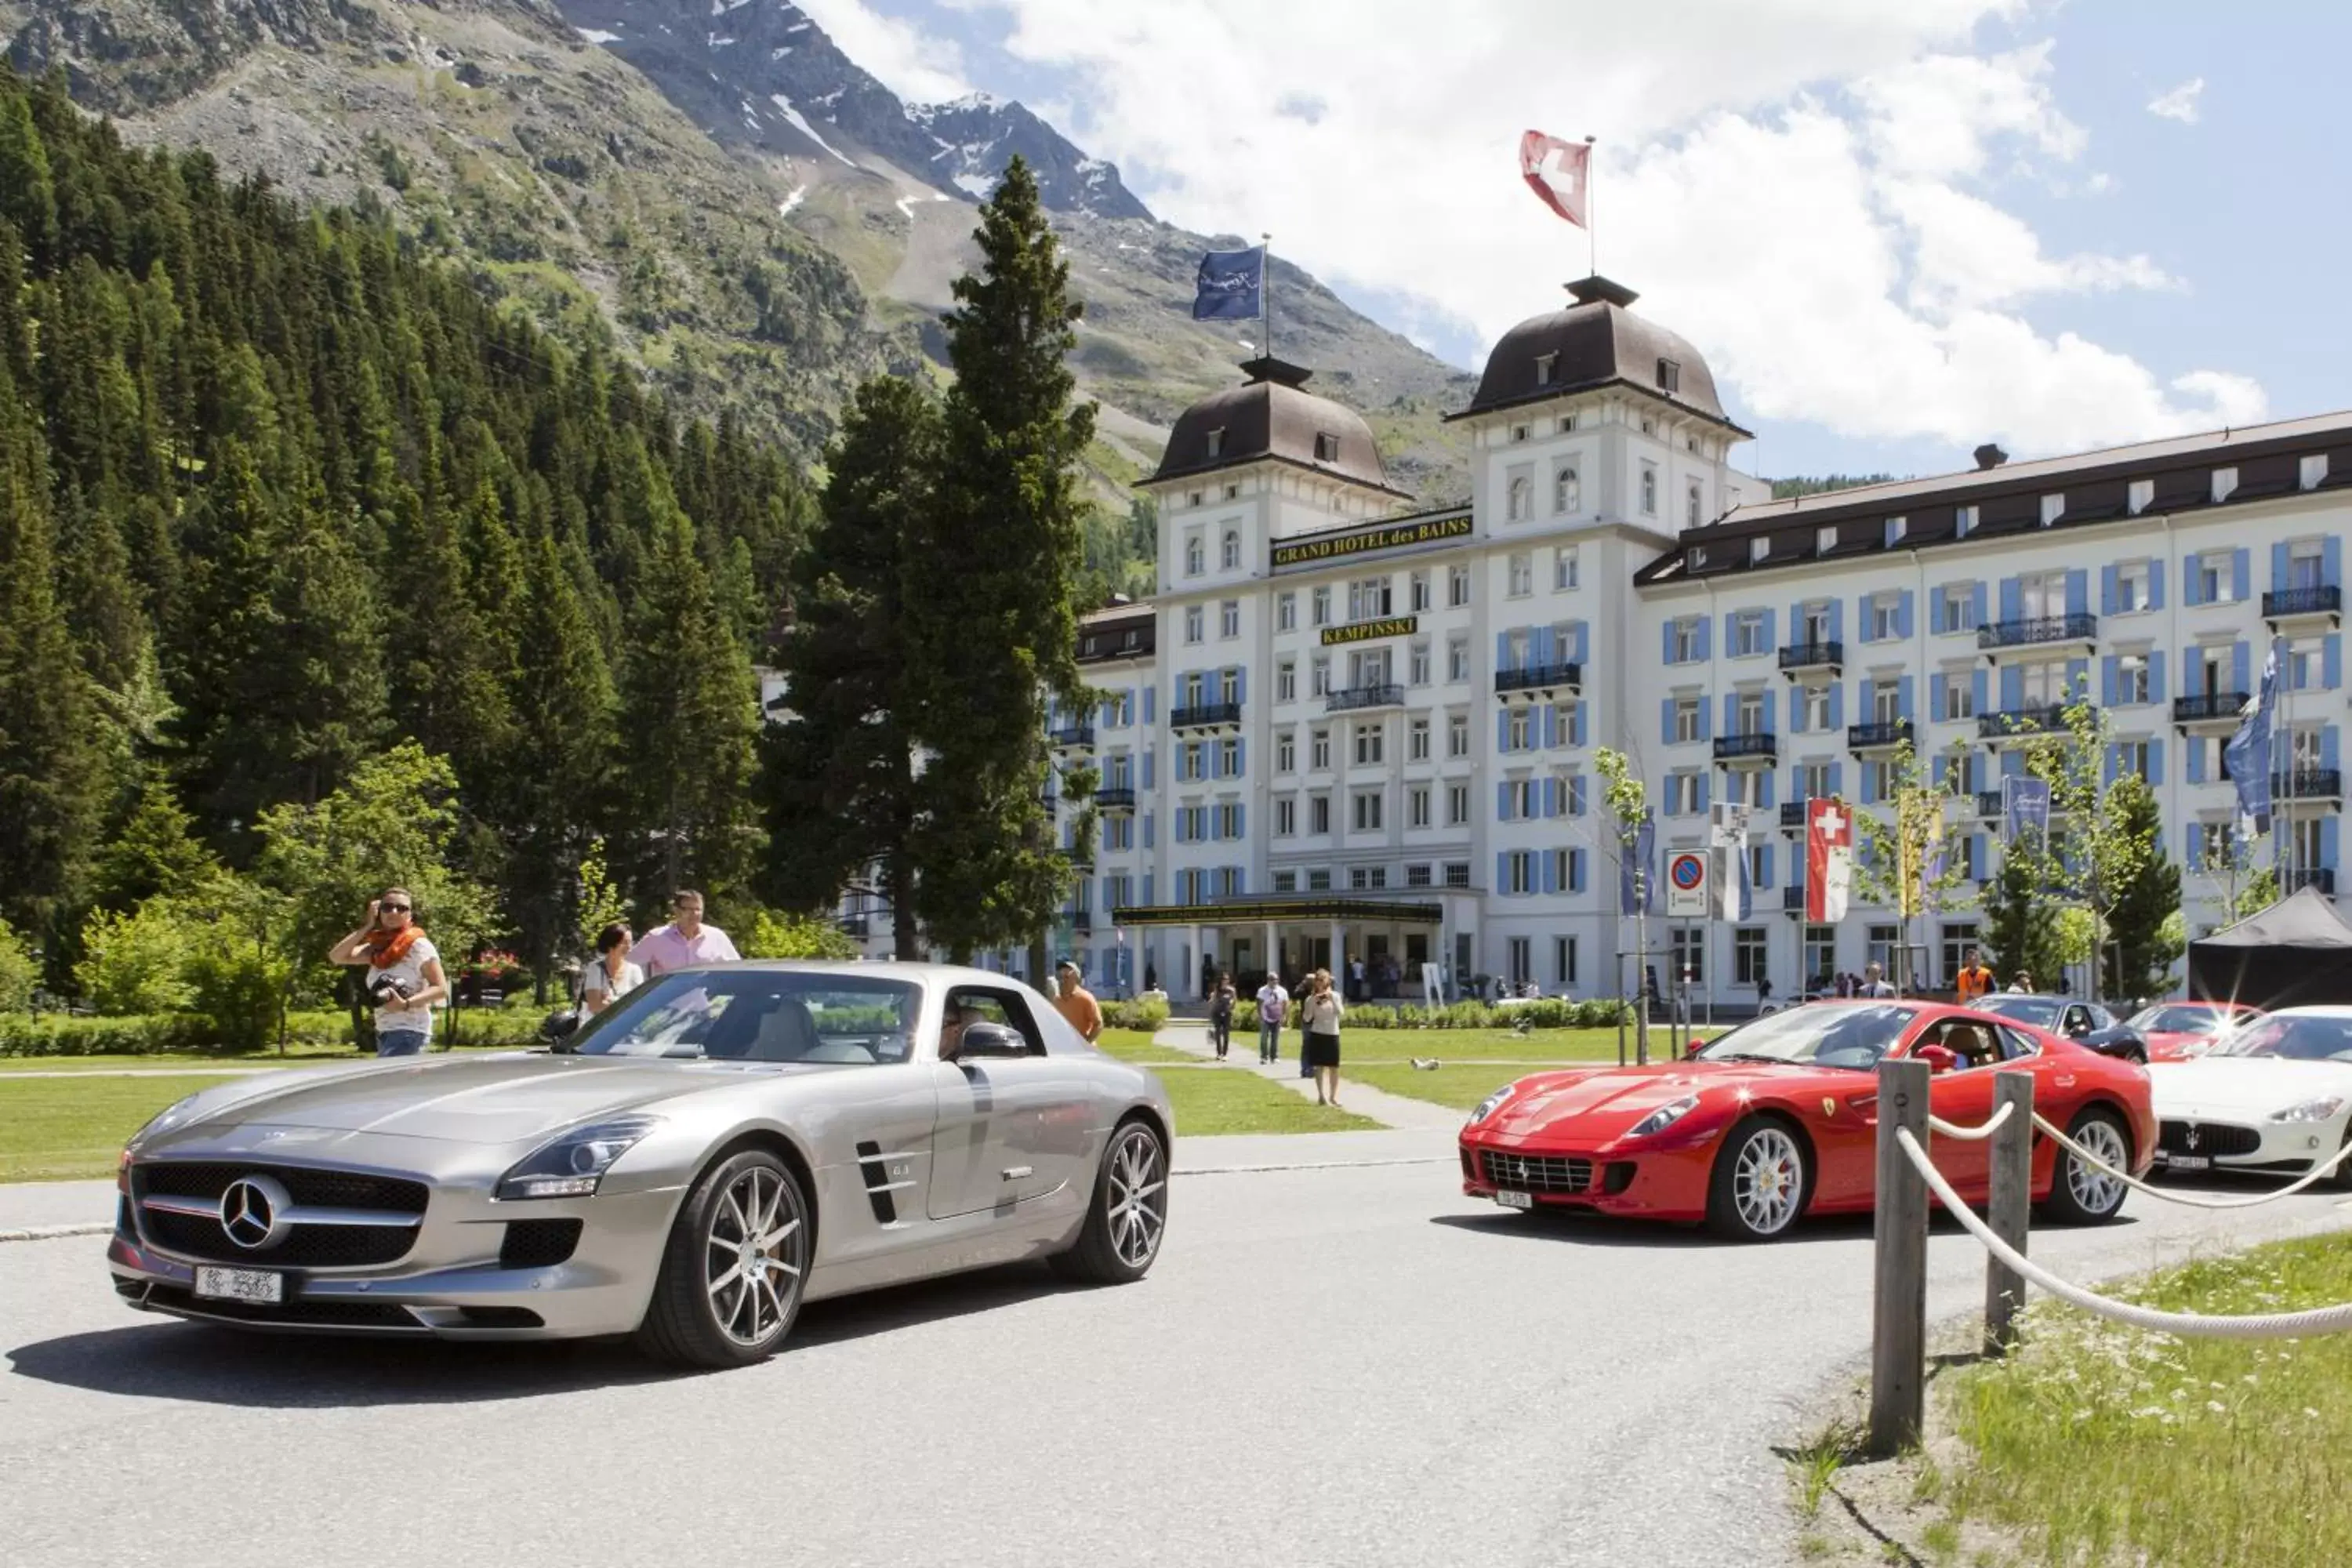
{"x":1019,"y":1172}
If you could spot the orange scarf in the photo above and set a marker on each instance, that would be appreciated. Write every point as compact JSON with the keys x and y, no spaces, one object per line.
{"x":388,"y":948}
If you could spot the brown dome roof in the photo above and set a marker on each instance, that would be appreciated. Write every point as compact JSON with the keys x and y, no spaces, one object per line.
{"x":1595,"y":342}
{"x":1268,"y":416}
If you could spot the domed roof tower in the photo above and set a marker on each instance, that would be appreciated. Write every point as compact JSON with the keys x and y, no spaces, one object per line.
{"x":1594,"y":343}
{"x":1269,"y":418}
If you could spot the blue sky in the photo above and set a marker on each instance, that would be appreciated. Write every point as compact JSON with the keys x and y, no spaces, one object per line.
{"x":1773,"y":178}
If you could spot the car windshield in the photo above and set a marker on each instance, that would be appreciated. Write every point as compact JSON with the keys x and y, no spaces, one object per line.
{"x":2177,"y":1018}
{"x":1831,"y":1035}
{"x":759,"y":1016}
{"x":2038,"y":1011}
{"x":2303,"y":1039}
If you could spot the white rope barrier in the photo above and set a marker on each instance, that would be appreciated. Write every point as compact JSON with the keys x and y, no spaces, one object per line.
{"x":1944,"y":1129}
{"x":2190,"y":1200}
{"x":2262,"y":1326}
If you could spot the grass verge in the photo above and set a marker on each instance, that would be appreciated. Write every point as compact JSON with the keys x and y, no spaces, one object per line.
{"x":61,"y":1130}
{"x":1377,"y":1045}
{"x":1460,"y":1087}
{"x":1137,"y":1046}
{"x":1209,"y":1104}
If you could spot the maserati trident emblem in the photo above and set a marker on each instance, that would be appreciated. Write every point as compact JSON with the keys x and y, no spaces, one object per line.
{"x":253,"y":1212}
{"x":2192,"y":1135}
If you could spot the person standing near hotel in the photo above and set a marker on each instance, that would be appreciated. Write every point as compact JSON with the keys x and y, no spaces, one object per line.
{"x":1272,"y":1005}
{"x":685,"y":940}
{"x":1319,"y":1021}
{"x":403,"y":973}
{"x":1078,"y":1004}
{"x":1221,"y":1015}
{"x":1977,"y":980}
{"x":612,"y":976}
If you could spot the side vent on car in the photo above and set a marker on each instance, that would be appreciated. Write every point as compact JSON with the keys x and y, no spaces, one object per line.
{"x":879,"y":1185}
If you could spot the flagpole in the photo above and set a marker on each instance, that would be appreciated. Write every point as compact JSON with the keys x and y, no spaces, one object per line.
{"x":1266,"y":291}
{"x":1591,"y":240}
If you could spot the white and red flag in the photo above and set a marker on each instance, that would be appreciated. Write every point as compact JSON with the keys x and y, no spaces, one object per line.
{"x":1555,"y":169}
{"x":1829,"y":860}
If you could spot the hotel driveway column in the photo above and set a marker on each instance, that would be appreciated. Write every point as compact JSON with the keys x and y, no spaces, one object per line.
{"x":1273,"y":951}
{"x":1339,"y":965}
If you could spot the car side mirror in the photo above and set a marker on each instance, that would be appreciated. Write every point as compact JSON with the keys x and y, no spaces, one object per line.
{"x":1939,"y":1058}
{"x":980,"y":1040}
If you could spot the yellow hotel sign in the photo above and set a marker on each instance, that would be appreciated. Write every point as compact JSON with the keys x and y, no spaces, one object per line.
{"x":1369,"y":631}
{"x":1393,"y":536}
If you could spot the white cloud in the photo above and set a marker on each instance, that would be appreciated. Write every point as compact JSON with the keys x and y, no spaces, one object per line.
{"x":2181,"y":104}
{"x":911,"y":62}
{"x":1808,"y":191}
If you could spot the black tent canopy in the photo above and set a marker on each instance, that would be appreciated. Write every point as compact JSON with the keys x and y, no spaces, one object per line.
{"x":2297,"y":953}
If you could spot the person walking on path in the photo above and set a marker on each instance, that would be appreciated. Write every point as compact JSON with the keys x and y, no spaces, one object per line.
{"x":1874,"y":982}
{"x":685,"y":940}
{"x":1977,"y":980}
{"x":1319,"y":1021}
{"x":1221,"y":1015}
{"x":612,"y":976}
{"x":1273,"y":1005}
{"x":403,"y":973}
{"x":1078,"y":1004}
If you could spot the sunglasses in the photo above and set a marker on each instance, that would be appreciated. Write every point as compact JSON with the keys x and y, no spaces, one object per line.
{"x":394,"y":909}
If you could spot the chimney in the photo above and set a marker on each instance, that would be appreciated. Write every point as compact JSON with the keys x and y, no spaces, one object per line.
{"x":1990,"y":457}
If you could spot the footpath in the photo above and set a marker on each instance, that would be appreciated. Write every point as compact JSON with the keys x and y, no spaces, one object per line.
{"x":1191,"y":1037}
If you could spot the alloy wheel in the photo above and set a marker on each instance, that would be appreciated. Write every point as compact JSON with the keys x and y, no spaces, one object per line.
{"x":1139,"y":1195}
{"x":2094,"y":1189}
{"x":754,"y":1253}
{"x":1768,"y":1181}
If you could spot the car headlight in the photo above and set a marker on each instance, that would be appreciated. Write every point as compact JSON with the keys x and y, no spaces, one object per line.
{"x":1665,"y":1116}
{"x":571,"y":1165}
{"x":1491,"y":1104}
{"x":2322,"y":1110}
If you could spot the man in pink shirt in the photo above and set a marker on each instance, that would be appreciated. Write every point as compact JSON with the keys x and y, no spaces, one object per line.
{"x":684,"y":941}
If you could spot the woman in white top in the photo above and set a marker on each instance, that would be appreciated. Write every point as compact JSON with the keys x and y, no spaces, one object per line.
{"x":1319,"y":1021}
{"x":612,"y":975}
{"x":403,"y":973}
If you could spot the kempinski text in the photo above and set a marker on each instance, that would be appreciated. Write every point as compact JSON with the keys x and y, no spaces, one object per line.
{"x":1339,"y":732}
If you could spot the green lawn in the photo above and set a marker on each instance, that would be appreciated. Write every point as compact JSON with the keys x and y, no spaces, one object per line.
{"x":1208,"y":1102}
{"x":1373,"y":1045}
{"x":1136,"y":1045}
{"x":55,"y":1129}
{"x":1459,"y":1087}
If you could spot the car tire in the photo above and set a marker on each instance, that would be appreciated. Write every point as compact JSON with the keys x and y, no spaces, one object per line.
{"x":1762,"y":1180}
{"x":699,"y":1317}
{"x":2080,"y":1194}
{"x":2341,"y":1177}
{"x":1128,"y":1215}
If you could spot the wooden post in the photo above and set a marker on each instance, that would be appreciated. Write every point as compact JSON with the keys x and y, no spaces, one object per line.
{"x":2009,"y":1208}
{"x":1898,"y":1341}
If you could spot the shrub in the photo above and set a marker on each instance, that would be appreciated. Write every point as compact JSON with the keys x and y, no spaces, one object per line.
{"x":774,"y":935}
{"x":1137,"y":1014}
{"x":55,"y":1035}
{"x":136,"y":963}
{"x":18,"y":974}
{"x":1550,"y":1012}
{"x":240,"y":993}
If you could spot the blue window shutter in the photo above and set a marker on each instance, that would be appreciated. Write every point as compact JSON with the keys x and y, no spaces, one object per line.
{"x":1241,"y":827}
{"x":2107,"y":590}
{"x":1869,"y":696}
{"x":1147,"y":835}
{"x":1149,"y":879}
{"x":1837,"y":706}
{"x":2190,"y":668}
{"x":1979,"y":688}
{"x":2013,"y":689}
{"x":1730,"y":711}
{"x":2192,"y":582}
{"x":1576,"y":718}
{"x":2328,"y":747}
{"x":2013,"y":764}
{"x":1706,"y":729}
{"x":1502,"y":650}
{"x":2107,"y":677}
{"x":1576,"y":870}
{"x":1502,"y":803}
{"x":1576,"y":796}
{"x":2331,"y":561}
{"x":2241,"y":678}
{"x":1550,"y":874}
{"x":1869,"y":785}
{"x":1241,"y":757}
{"x":1705,"y":637}
{"x":1771,"y":711}
{"x":1502,"y":872}
{"x":2078,"y":590}
{"x":1240,"y":683}
{"x":1939,"y":695}
{"x":2156,"y":583}
{"x":1150,"y":694}
{"x":1213,"y":755}
{"x":1150,"y":759}
{"x":2197,"y":762}
{"x":1977,"y":600}
{"x":2155,"y":677}
{"x":1764,"y":789}
{"x":2238,"y":570}
{"x":1904,"y":607}
{"x":1547,"y":646}
{"x":2115,"y":762}
{"x":2013,"y":599}
{"x":1583,"y":654}
{"x":1771,"y":635}
{"x":2078,"y":677}
{"x":1940,"y":770}
{"x":1666,"y":642}
{"x":1550,"y":726}
{"x":1703,"y":782}
{"x":1502,"y":729}
{"x":2331,"y":661}
{"x":1666,"y":720}
{"x":1837,"y":620}
{"x":2156,"y":764}
{"x":1837,"y":778}
{"x":2327,"y":835}
{"x":2281,"y":565}
{"x":1903,"y":698}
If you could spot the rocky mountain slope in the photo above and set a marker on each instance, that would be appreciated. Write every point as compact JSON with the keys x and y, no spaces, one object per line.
{"x":712,"y":185}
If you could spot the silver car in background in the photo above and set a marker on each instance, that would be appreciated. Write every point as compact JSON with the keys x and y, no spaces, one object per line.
{"x":710,"y":1152}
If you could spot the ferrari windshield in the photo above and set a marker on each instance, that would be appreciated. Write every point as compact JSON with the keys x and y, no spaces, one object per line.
{"x":759,"y":1016}
{"x":2180,"y":1018}
{"x":1831,"y":1035}
{"x":2315,"y":1039}
{"x":2042,"y":1012}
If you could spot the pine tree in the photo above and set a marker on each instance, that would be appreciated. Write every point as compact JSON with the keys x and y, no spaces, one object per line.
{"x":840,"y":775}
{"x":2018,"y":935}
{"x":991,"y":613}
{"x":2140,"y":955}
{"x":155,"y":851}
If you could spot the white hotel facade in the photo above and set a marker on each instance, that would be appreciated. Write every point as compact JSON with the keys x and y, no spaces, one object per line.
{"x":1344,"y":728}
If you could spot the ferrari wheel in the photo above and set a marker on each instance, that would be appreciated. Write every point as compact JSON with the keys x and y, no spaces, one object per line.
{"x":1130,"y":1212}
{"x":1762,"y":1178}
{"x":731,"y":1276}
{"x":2080,"y":1193}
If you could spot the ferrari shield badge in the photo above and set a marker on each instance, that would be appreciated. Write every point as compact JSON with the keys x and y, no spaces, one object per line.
{"x":1829,"y":1105}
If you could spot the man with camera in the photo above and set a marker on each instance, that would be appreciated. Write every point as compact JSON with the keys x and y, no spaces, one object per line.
{"x":403,"y":973}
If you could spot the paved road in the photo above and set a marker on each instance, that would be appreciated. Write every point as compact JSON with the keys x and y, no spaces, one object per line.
{"x":1331,"y":1366}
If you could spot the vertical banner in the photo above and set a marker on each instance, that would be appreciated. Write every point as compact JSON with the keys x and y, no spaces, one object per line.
{"x":1829,"y":860}
{"x":2026,"y":809}
{"x":2247,"y":757}
{"x":1637,"y":870}
{"x":1728,"y":838}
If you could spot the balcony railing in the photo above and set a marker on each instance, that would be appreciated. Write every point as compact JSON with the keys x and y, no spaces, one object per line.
{"x":2022,"y":721}
{"x":2319,"y":877}
{"x":2081,"y":627}
{"x":1829,"y":654}
{"x":2204,"y":706}
{"x":2286,"y":603}
{"x":1792,"y":816}
{"x":1353,"y":696}
{"x":2307,"y":783}
{"x":1067,"y":736}
{"x":1205,"y":716}
{"x":1115,"y":797}
{"x":1539,"y":677}
{"x":1878,"y":737}
{"x":1758,"y":748}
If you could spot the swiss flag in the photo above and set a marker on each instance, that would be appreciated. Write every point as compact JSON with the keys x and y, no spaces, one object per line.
{"x":1829,"y":860}
{"x":1554,"y":171}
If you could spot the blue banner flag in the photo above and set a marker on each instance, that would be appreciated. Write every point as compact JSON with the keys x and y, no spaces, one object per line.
{"x":1229,"y":285}
{"x":1637,"y":870}
{"x":2026,"y":807}
{"x":2247,"y":757}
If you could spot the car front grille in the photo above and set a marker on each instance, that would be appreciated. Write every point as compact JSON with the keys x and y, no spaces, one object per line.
{"x":317,"y":1314}
{"x":539,"y":1243}
{"x":200,"y":1236}
{"x":326,"y":1189}
{"x":1539,"y":1173}
{"x":2207,"y":1138}
{"x":308,"y":1245}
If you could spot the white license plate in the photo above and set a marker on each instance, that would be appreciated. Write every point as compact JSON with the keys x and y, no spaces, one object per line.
{"x":1515,"y":1200}
{"x":241,"y":1285}
{"x":2187,"y":1163}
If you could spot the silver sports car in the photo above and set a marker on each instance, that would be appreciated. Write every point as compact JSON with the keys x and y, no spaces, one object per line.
{"x":714,"y":1148}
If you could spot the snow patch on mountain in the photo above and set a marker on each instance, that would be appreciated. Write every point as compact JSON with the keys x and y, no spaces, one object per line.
{"x":596,"y":37}
{"x":800,"y":124}
{"x":791,"y":199}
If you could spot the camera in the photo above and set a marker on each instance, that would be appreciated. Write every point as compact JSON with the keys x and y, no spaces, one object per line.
{"x":385,"y":990}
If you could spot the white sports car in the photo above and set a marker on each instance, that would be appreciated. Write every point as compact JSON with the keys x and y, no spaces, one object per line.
{"x":2274,"y":1096}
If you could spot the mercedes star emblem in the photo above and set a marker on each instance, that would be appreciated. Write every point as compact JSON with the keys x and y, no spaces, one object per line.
{"x":253,"y":1212}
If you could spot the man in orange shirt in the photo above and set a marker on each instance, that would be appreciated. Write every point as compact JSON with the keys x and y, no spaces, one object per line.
{"x":1076,"y":1003}
{"x":1976,"y":979}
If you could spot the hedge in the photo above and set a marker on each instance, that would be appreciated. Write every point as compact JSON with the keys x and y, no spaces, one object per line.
{"x":1135,"y":1014}
{"x":1550,"y":1013}
{"x":56,"y":1035}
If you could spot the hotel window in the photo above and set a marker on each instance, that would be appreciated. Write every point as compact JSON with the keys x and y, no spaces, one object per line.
{"x":1545,"y":365}
{"x":1417,"y":807}
{"x":1564,"y":568}
{"x":1286,"y":816}
{"x":1195,"y":559}
{"x":1518,"y":432}
{"x":1229,"y":757}
{"x":1457,"y":734}
{"x":1320,"y":676}
{"x":1366,"y":806}
{"x":1318,"y":880}
{"x":1229,"y":685}
{"x":1416,"y":741}
{"x":2131,"y":678}
{"x":1419,"y":590}
{"x":1517,"y":729}
{"x":1743,"y":787}
{"x":1229,"y":619}
{"x":1522,"y":573}
{"x":1670,"y":376}
{"x":1457,"y":806}
{"x":1747,"y":713}
{"x":1693,"y":503}
{"x":1285,"y":681}
{"x":1285,"y":753}
{"x":1521,"y":864}
{"x":1884,"y":616}
{"x":2216,"y":580}
{"x":1417,"y":876}
{"x":1369,"y":741}
{"x":2306,"y":564}
{"x":1880,"y":779}
{"x":2302,"y":668}
{"x":1649,"y":490}
{"x":1319,"y":814}
{"x":1368,"y":879}
{"x":1193,"y":619}
{"x":1519,"y":800}
{"x":1327,"y":446}
{"x":1230,"y":552}
{"x":1367,"y":600}
{"x":1956,"y":608}
{"x":1323,"y":606}
{"x":1816,"y":705}
{"x":1886,"y":701}
{"x":1688,"y":955}
{"x":1566,"y":491}
{"x":1457,"y":587}
{"x":1748,"y":634}
{"x":1417,"y":661}
{"x":1285,"y":612}
{"x":1191,"y":761}
{"x":2131,"y":757}
{"x":1682,"y":641}
{"x":1686,"y":719}
{"x":1563,"y":961}
{"x":1458,"y":659}
{"x":1959,"y":695}
{"x":1457,"y":875}
{"x":1682,"y":794}
{"x":1319,"y":750}
{"x":1520,"y":503}
{"x":1229,"y":822}
{"x":2131,"y":587}
{"x":1216,"y":443}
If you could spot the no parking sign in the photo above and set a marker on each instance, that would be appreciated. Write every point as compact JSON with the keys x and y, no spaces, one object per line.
{"x":1687,"y":874}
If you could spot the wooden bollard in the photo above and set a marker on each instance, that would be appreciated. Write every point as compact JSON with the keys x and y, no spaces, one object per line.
{"x":2009,"y":1209}
{"x":1898,"y":1341}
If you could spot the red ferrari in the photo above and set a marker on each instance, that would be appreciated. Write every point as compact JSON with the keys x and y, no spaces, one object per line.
{"x":2176,"y":1031}
{"x":1777,"y":1120}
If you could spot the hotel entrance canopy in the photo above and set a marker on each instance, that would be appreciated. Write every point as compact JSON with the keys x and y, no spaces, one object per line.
{"x":1281,"y":909}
